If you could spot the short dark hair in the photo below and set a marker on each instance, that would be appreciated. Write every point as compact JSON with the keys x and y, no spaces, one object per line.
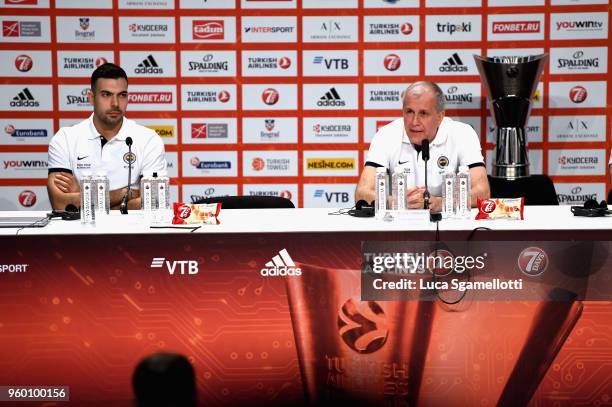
{"x":439,"y":94}
{"x":107,"y":70}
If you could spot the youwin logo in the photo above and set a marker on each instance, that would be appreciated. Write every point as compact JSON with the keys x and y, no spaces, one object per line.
{"x":281,"y":265}
{"x":184,"y":267}
{"x":586,"y":25}
{"x":208,"y":29}
{"x":150,"y":97}
{"x":516,"y":27}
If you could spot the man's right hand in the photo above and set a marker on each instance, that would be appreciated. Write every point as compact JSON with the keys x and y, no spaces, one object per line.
{"x":66,"y":182}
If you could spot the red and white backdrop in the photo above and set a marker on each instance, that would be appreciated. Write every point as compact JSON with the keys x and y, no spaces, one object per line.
{"x":282,"y":97}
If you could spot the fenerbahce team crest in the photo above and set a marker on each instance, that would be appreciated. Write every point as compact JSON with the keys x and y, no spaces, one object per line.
{"x":442,"y":162}
{"x":129,"y":158}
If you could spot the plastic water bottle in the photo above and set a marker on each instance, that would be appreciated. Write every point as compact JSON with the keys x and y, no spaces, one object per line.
{"x":87,"y":185}
{"x":380,"y":208}
{"x":146,"y":194}
{"x":398,"y":190}
{"x":448,"y":194}
{"x":163,"y":197}
{"x":464,"y":202}
{"x":102,"y":194}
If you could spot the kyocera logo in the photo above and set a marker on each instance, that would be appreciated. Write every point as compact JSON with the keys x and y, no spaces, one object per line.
{"x":516,"y":27}
{"x":183,"y":267}
{"x":564,"y":160}
{"x":208,"y":29}
{"x":363,"y":326}
{"x":148,"y":27}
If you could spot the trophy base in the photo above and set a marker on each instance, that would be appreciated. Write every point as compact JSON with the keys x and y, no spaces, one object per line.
{"x":510,"y":172}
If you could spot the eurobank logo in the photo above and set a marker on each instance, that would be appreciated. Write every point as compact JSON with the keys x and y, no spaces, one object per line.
{"x":330,"y":163}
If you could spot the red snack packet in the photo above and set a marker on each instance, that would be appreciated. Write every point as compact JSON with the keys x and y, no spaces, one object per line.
{"x":196,"y":213}
{"x":501,"y":208}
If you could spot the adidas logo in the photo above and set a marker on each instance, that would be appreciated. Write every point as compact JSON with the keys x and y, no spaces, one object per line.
{"x":331,"y":98}
{"x":281,"y":265}
{"x":24,"y":99}
{"x":148,"y":65}
{"x":453,"y":64}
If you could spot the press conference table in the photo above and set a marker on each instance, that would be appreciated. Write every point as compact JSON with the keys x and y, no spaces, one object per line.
{"x":556,"y":221}
{"x":92,"y":302}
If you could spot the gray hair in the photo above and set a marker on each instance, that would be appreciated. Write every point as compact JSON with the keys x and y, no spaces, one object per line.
{"x":440,"y":99}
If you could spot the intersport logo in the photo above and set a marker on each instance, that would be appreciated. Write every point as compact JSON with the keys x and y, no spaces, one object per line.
{"x":516,"y":27}
{"x":208,"y":29}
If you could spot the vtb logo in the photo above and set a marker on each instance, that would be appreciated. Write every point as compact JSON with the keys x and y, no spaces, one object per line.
{"x":186,"y":267}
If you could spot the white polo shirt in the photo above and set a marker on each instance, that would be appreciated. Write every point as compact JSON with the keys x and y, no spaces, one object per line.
{"x":455,"y":144}
{"x":78,"y":148}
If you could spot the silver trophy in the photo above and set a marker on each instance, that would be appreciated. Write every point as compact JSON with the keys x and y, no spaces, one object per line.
{"x":510,"y":83}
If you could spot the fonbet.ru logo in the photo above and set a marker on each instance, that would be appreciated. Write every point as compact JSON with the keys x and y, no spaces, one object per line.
{"x":182,"y":267}
{"x":281,"y":265}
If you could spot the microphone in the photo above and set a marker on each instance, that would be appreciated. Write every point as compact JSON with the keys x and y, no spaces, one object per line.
{"x":425,"y":156}
{"x":123,"y":207}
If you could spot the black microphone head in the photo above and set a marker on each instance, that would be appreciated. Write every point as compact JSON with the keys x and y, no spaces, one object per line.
{"x":128,"y":141}
{"x":425,"y":149}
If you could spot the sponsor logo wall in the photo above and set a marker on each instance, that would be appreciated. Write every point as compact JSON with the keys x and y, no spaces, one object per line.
{"x":281,"y":98}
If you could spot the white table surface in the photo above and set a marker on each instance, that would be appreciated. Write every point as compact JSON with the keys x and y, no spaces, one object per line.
{"x":314,"y":220}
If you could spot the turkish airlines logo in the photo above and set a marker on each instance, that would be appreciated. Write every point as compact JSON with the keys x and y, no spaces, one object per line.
{"x":23,"y":63}
{"x":578,"y":94}
{"x":284,"y":63}
{"x":150,"y":97}
{"x":406,"y":28}
{"x":516,"y":27}
{"x":392,"y":62}
{"x":270,"y":96}
{"x":223,"y":96}
{"x":27,"y":198}
{"x":208,"y":29}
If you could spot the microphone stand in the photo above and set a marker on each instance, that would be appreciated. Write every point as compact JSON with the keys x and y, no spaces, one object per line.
{"x":426,"y":195}
{"x":123,"y":207}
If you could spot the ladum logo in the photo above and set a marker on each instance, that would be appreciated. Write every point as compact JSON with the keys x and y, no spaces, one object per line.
{"x":185,"y":267}
{"x":281,"y":265}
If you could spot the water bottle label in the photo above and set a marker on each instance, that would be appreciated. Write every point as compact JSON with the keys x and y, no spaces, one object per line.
{"x":161,"y":195}
{"x":463,"y":191}
{"x":381,"y":195}
{"x":101,"y":196}
{"x":147,"y":196}
{"x":401,"y":193}
{"x":86,"y":205}
{"x":449,"y":190}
